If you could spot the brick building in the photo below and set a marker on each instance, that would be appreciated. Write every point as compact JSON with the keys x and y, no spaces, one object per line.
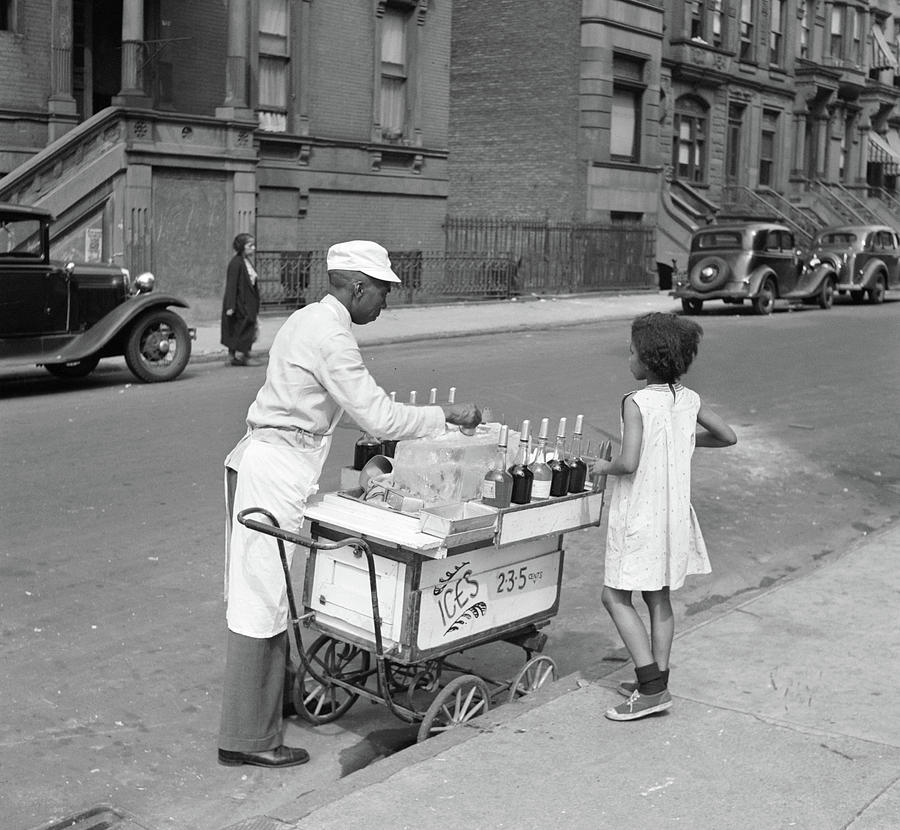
{"x":671,"y":115}
{"x":167,"y":127}
{"x":163,"y":128}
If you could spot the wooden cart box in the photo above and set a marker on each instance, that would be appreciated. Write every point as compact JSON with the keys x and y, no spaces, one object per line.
{"x":435,"y":597}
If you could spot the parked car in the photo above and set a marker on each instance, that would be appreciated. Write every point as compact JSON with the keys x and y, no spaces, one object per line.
{"x":66,"y":317}
{"x":865,"y":258}
{"x":755,"y":261}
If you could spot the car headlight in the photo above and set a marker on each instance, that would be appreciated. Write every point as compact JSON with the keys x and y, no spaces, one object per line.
{"x":143,"y":283}
{"x":814,"y":261}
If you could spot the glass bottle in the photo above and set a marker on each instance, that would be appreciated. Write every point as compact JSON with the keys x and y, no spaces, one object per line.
{"x":522,"y":477}
{"x":559,"y":484}
{"x":496,"y":487}
{"x":388,"y":446}
{"x":577,"y":466}
{"x":366,"y":447}
{"x":543,"y":475}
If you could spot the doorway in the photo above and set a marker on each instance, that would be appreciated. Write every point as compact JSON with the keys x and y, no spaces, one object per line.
{"x":97,"y":54}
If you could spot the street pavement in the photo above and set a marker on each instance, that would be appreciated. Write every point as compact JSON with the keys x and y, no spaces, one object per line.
{"x":783,"y":711}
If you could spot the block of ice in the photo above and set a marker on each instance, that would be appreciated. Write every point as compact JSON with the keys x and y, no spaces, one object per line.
{"x":451,"y":467}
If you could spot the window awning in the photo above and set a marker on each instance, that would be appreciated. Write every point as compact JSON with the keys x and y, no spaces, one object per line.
{"x":883,"y":56}
{"x":881,"y":152}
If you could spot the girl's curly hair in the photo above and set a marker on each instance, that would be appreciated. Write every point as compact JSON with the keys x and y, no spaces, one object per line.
{"x":666,"y":343}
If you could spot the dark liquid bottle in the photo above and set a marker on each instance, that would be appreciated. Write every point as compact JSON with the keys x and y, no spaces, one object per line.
{"x":366,"y":447}
{"x":577,"y":466}
{"x":559,"y":483}
{"x":522,"y":477}
{"x":388,"y":447}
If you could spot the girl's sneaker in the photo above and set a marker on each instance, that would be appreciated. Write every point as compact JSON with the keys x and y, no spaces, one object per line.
{"x":639,"y":706}
{"x":627,"y":688}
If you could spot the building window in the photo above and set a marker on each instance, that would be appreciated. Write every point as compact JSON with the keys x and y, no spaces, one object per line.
{"x":393,"y":73}
{"x":689,"y":140}
{"x":767,"y":148}
{"x":747,"y":18}
{"x":776,"y":32}
{"x":7,"y":15}
{"x":274,"y":63}
{"x":836,"y":38}
{"x":733,"y":142}
{"x":706,"y":21}
{"x":627,"y":109}
{"x":857,"y":44}
{"x":804,"y":31}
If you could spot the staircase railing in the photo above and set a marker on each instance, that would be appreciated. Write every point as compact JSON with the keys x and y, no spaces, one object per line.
{"x":32,"y":181}
{"x":788,"y":214}
{"x":891,"y":202}
{"x":844,"y":203}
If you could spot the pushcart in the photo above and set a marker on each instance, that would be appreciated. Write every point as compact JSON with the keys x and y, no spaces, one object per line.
{"x":391,"y":606}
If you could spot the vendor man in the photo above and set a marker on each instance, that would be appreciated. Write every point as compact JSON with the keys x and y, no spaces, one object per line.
{"x":315,"y":373}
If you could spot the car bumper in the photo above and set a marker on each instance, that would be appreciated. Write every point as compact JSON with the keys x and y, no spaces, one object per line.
{"x":851,"y":286}
{"x":729,"y":292}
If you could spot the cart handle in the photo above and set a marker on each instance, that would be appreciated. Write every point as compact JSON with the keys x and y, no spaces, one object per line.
{"x":272,"y":528}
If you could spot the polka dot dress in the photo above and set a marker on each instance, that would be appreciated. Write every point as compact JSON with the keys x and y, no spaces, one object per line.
{"x":653,"y":539}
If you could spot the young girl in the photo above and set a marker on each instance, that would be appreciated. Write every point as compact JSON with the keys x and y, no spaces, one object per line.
{"x":653,"y":539}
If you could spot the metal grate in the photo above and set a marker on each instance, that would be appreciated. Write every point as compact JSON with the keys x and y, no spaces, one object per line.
{"x":101,"y":817}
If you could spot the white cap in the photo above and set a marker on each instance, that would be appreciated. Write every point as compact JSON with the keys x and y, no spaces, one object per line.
{"x":361,"y":255}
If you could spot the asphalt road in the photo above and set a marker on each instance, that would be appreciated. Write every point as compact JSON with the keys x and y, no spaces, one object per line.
{"x":111,"y":539}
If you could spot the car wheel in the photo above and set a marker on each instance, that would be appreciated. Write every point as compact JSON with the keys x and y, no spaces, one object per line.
{"x":158,"y":346}
{"x":73,"y":369}
{"x":826,"y":293}
{"x":709,"y":274}
{"x":875,"y":294}
{"x":764,"y":302}
{"x":691,"y":305}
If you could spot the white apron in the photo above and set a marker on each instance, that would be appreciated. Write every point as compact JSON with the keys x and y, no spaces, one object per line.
{"x":277,"y":471}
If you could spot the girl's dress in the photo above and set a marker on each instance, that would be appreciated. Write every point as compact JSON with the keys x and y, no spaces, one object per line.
{"x":653,"y":538}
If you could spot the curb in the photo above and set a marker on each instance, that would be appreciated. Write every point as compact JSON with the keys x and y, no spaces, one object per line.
{"x":388,"y":339}
{"x":308,"y":803}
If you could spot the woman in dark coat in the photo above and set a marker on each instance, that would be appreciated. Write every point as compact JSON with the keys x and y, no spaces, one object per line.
{"x":240,"y":305}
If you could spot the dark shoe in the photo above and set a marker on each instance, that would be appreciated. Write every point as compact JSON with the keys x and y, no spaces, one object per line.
{"x":282,"y":756}
{"x":239,"y":361}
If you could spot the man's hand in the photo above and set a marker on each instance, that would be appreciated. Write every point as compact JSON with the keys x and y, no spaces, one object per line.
{"x":462,"y":414}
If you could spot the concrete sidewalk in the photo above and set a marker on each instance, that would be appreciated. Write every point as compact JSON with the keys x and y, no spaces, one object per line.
{"x":784,"y":716}
{"x":784,"y":707}
{"x":409,"y":323}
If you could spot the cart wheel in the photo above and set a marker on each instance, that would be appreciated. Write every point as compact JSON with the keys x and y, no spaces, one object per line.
{"x":322,"y":703}
{"x":462,"y":699}
{"x":535,"y":673}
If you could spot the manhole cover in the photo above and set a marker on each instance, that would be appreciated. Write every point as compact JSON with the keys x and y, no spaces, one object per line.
{"x":102,"y":817}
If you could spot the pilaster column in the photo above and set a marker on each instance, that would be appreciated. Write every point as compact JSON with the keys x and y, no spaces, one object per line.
{"x":132,"y":93}
{"x":61,"y":105}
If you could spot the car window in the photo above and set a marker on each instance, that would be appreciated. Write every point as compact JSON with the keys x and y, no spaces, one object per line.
{"x":787,"y":241}
{"x":716,"y":239}
{"x":837,"y":239}
{"x":20,"y":238}
{"x":870,"y":242}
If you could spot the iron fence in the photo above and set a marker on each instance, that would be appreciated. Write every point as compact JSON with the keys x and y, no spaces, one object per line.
{"x":515,"y":259}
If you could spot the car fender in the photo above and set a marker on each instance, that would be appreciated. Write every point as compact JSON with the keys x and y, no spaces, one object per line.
{"x":819,"y":274}
{"x":873,"y":267}
{"x":103,"y":331}
{"x":756,"y":279}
